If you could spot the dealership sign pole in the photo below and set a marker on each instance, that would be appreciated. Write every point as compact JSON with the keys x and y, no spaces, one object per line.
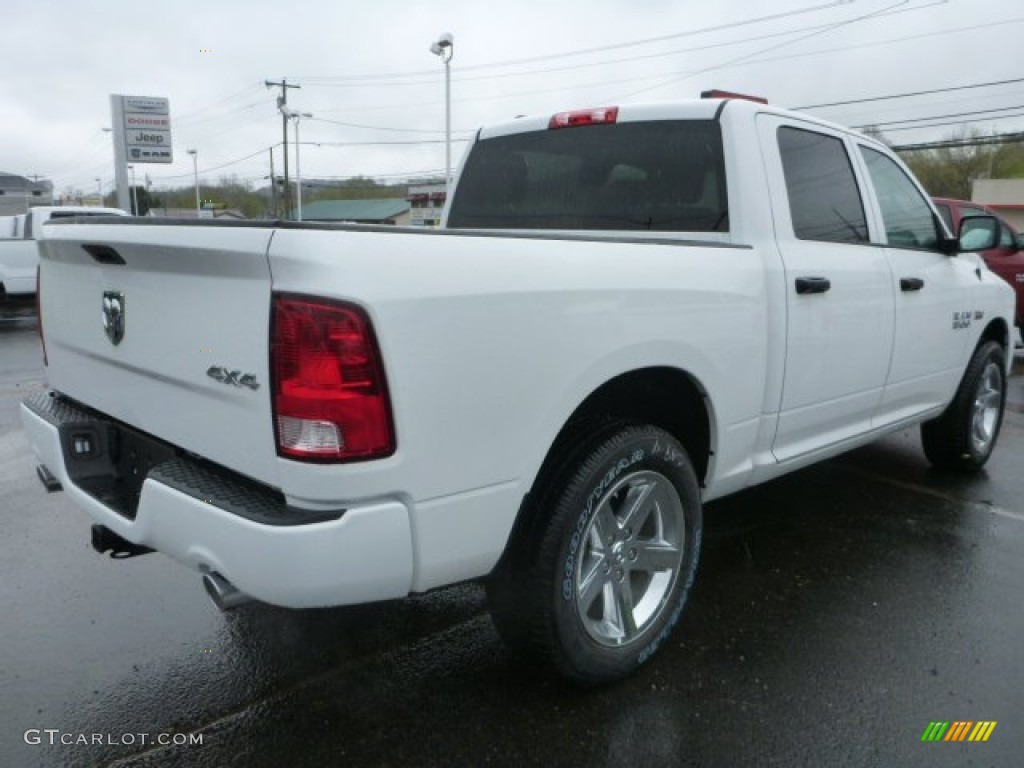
{"x":142,"y":134}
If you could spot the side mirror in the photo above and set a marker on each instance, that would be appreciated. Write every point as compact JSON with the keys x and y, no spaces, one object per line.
{"x":978,"y":233}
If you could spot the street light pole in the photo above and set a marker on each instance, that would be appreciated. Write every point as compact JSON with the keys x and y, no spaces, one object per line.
{"x":99,"y":189}
{"x":445,"y":48}
{"x":195,"y":173}
{"x":297,"y":117}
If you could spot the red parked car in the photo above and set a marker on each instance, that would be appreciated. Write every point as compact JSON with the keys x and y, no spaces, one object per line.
{"x":1006,"y":259}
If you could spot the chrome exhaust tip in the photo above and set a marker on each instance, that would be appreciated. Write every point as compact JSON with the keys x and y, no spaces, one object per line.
{"x":224,"y":594}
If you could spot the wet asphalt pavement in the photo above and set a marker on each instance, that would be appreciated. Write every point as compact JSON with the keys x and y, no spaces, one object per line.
{"x":837,"y":612}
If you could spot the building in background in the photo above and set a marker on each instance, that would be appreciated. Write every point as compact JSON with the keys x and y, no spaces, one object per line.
{"x":386,"y":210}
{"x":18,"y":194}
{"x":208,"y":212}
{"x":427,"y":203}
{"x":1005,"y":196}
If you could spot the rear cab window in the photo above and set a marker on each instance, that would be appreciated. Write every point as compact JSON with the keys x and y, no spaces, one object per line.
{"x":665,"y":175}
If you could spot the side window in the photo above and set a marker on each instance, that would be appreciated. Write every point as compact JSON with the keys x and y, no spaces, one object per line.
{"x":1006,"y":238}
{"x":824,"y":200}
{"x":946,"y":215}
{"x":909,"y":221}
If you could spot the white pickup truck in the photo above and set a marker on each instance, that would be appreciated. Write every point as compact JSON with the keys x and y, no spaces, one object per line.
{"x":630,"y":312}
{"x":19,"y":254}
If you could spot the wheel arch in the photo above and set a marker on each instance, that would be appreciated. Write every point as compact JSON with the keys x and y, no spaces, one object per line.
{"x":663,"y":396}
{"x":998,"y":331}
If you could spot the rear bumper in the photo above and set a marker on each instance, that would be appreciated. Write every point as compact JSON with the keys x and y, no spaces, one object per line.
{"x":361,"y":555}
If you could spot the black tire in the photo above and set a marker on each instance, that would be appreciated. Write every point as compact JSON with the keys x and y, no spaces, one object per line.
{"x":962,"y":438}
{"x":586,"y":587}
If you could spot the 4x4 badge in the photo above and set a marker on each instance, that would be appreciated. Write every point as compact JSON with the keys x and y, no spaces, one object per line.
{"x":113,"y":316}
{"x":234,"y":378}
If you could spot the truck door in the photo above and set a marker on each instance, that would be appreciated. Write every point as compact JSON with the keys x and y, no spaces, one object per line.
{"x":839,"y":300}
{"x":931,"y":290}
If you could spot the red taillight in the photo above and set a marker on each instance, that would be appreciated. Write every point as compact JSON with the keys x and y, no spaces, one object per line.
{"x":330,"y":397}
{"x":39,"y":318}
{"x":601,"y":115}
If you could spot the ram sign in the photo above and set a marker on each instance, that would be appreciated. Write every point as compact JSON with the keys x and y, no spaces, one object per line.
{"x":144,"y":127}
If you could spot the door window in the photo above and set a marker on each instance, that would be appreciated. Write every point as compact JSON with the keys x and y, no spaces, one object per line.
{"x":1006,"y":238}
{"x":824,"y":200}
{"x":909,"y":221}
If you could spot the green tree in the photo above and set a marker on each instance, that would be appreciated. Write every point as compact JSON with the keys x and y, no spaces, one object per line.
{"x":949,"y":171}
{"x":874,"y":132}
{"x":237,"y":194}
{"x":141,"y":196}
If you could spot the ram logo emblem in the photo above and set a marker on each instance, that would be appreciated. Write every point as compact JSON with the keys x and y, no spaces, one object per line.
{"x":113,"y":316}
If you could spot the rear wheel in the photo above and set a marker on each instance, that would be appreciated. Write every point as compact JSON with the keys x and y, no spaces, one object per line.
{"x":596,"y":584}
{"x":963,"y":437}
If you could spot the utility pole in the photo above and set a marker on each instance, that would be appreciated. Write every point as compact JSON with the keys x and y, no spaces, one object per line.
{"x":282,"y":101}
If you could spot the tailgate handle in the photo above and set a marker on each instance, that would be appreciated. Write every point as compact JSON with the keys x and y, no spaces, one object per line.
{"x":812,"y":285}
{"x":104,"y":254}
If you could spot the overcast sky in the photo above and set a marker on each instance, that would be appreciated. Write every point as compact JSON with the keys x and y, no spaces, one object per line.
{"x":367,"y":68}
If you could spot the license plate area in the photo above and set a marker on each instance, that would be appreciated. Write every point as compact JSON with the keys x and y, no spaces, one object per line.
{"x":110,"y":461}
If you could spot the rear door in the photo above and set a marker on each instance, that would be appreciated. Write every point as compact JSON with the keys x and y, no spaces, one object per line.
{"x":839,"y":298}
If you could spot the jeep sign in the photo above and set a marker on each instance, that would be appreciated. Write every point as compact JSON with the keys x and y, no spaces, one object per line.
{"x":143,"y":125}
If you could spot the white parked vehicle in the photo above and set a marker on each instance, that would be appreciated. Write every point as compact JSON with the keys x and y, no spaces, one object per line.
{"x":632,"y":311}
{"x":18,"y":251}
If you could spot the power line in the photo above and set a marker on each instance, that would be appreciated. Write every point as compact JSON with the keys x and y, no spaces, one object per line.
{"x":952,"y":122}
{"x":618,"y":81}
{"x":187,"y":116}
{"x":980,"y":141}
{"x":747,"y":57}
{"x":380,"y":127}
{"x":219,"y":115}
{"x":597,"y":49}
{"x":215,"y":167}
{"x":740,"y":60}
{"x":236,"y":161}
{"x":377,"y":143}
{"x":913,"y":93}
{"x":461,"y":78}
{"x":973,"y":113}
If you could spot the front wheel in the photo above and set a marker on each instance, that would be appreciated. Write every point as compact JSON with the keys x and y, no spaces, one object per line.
{"x":597,"y":584}
{"x":963,"y":437}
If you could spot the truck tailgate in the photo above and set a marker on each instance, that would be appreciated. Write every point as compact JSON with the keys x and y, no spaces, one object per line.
{"x":187,"y":361}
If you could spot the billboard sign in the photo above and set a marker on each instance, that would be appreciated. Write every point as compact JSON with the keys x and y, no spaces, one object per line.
{"x":144,"y":127}
{"x":141,"y":127}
